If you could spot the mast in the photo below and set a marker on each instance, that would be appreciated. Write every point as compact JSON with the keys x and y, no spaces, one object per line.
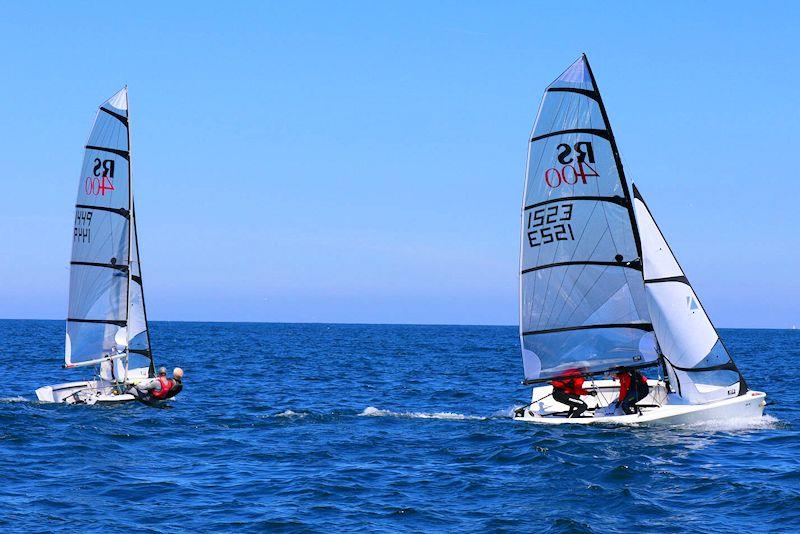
{"x":130,"y":220}
{"x":617,"y":159}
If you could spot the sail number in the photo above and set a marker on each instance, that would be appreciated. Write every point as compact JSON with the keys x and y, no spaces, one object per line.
{"x":82,"y":232}
{"x":568,"y":174}
{"x":98,"y":185}
{"x":103,"y":179}
{"x":547,"y":224}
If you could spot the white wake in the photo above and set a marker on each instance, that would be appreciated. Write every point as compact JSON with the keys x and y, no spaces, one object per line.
{"x":371,"y":411}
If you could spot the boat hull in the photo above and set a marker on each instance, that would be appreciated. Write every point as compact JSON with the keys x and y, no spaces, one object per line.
{"x":83,"y":392}
{"x":658,"y":408}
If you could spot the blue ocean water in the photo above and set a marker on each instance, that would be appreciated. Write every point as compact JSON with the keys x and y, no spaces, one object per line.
{"x":344,"y":427}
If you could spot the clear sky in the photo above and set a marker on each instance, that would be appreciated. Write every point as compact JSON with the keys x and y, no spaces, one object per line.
{"x":364,"y":161}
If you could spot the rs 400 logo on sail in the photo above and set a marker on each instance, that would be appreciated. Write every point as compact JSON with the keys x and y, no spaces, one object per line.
{"x":103,"y":179}
{"x":576,"y":164}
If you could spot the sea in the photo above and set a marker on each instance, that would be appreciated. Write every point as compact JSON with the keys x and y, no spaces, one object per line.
{"x":378,"y":428}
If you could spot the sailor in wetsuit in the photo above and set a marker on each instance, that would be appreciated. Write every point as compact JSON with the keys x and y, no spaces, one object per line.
{"x":568,"y":388}
{"x":632,"y":388}
{"x":159,"y":388}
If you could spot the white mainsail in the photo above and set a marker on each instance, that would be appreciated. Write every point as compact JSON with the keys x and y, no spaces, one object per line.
{"x":582,"y":298}
{"x":699,"y":366}
{"x":106,"y":303}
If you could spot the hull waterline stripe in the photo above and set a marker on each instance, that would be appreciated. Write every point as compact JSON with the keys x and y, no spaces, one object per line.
{"x":122,"y":268}
{"x":97,"y":321}
{"x":122,"y":118}
{"x":591,"y":131}
{"x":124,"y":153}
{"x":640,"y":326}
{"x":118,"y":211}
{"x":620,"y":201}
{"x":636,"y":265}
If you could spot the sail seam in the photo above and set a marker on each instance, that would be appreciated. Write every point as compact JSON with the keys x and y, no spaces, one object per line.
{"x":119,"y":211}
{"x":620,"y":201}
{"x":592,"y":131}
{"x":585,"y":92}
{"x":122,"y":118}
{"x":97,"y":321}
{"x":630,"y":265}
{"x":124,"y":153}
{"x":681,"y":279}
{"x":641,"y":326}
{"x":122,"y":268}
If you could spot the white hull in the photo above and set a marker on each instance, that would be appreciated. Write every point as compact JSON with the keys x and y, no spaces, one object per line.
{"x":659,"y":407}
{"x":84,"y":392}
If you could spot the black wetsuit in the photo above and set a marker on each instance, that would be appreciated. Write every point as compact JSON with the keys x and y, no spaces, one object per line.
{"x":637,"y":391}
{"x":576,"y":405}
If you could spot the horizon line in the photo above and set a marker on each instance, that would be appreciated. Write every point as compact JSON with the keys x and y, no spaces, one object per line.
{"x":369,"y":324}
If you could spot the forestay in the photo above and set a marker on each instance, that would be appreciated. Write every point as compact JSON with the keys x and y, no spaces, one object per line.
{"x":700,"y":368}
{"x":582,"y":301}
{"x":104,"y":256}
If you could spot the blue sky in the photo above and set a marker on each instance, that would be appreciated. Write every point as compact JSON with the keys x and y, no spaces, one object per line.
{"x":364,"y":161}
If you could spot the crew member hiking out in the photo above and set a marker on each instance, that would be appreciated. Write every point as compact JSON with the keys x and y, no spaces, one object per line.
{"x":568,"y":388}
{"x":159,"y":388}
{"x":632,"y":388}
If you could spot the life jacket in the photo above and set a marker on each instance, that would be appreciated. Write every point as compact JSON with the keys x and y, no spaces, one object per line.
{"x":166,"y":387}
{"x":570,"y":382}
{"x":639,"y":381}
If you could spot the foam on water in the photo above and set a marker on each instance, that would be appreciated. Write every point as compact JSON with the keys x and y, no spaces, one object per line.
{"x":290,"y":413}
{"x":371,"y":411}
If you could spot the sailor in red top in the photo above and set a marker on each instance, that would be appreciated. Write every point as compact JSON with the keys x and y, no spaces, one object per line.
{"x":632,"y":388}
{"x":160,"y":388}
{"x":568,"y":388}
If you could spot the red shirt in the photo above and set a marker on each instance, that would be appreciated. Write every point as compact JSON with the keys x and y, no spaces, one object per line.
{"x":624,"y":378}
{"x":570,"y":382}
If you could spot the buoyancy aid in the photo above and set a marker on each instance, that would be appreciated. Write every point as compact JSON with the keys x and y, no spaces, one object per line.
{"x":166,"y":386}
{"x":571,"y":382}
{"x":625,"y":378}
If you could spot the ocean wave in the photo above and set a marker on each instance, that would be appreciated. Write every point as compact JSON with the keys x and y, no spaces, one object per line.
{"x":371,"y":411}
{"x":290,"y":413}
{"x":18,"y":398}
{"x":737,"y":424}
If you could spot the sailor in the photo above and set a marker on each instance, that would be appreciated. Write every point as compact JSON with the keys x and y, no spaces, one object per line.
{"x":159,"y":388}
{"x":568,"y":388}
{"x":632,"y":388}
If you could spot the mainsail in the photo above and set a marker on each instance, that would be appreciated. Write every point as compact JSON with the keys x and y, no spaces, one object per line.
{"x":106,"y":302}
{"x":700,"y":368}
{"x":582,"y":297}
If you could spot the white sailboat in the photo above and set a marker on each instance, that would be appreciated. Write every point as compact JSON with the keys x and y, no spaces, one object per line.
{"x":107,"y":320}
{"x":600,"y":289}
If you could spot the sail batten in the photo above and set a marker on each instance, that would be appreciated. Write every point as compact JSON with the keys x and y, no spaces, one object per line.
{"x":582,"y":298}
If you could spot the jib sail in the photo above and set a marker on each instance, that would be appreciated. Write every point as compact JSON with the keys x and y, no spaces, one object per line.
{"x":699,"y":367}
{"x":582,"y":298}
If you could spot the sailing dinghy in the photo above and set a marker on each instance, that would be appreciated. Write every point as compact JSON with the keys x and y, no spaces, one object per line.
{"x":600,"y":289}
{"x":107,"y":321}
